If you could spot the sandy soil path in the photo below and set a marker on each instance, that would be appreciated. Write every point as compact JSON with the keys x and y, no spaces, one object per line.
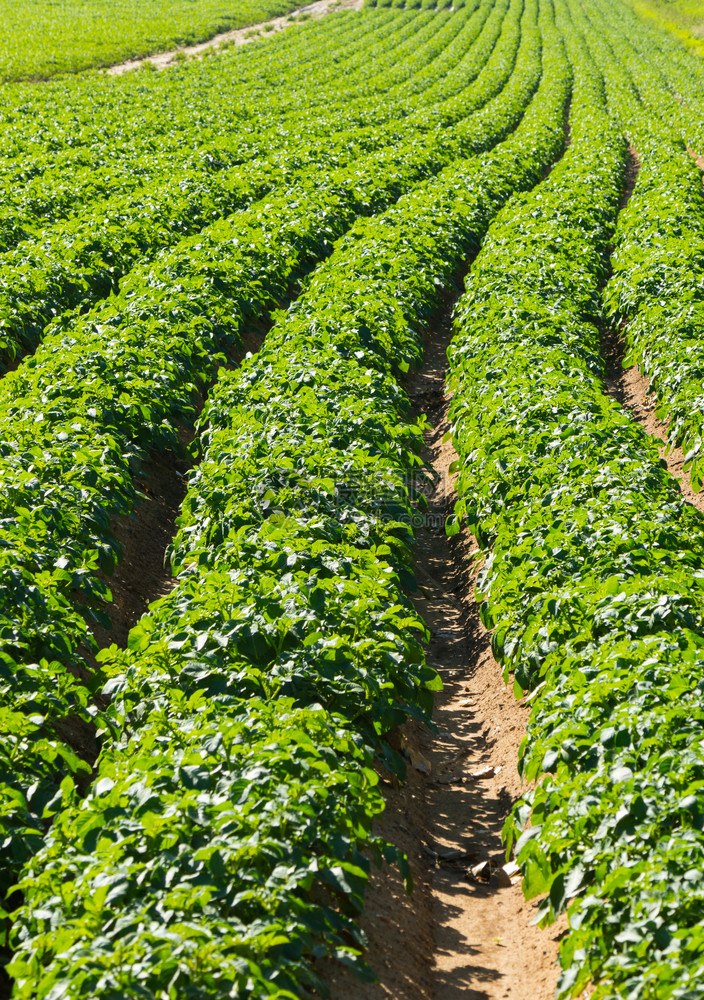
{"x":239,"y":36}
{"x":460,"y":936}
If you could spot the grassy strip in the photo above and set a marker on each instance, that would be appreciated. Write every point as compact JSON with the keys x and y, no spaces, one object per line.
{"x":290,"y":597}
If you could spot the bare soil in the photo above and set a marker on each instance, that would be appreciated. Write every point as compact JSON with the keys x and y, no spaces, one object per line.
{"x":630,"y":386}
{"x":460,"y":936}
{"x":143,"y":575}
{"x":698,"y":159}
{"x":630,"y":176}
{"x":238,"y":36}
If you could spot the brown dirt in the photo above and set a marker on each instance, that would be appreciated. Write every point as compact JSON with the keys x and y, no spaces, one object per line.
{"x":459,"y":937}
{"x":630,"y":176}
{"x":239,"y":36}
{"x":698,"y":159}
{"x":143,"y":575}
{"x":631,"y":388}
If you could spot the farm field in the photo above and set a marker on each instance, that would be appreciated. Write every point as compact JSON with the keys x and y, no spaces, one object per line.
{"x":41,"y":40}
{"x":351,"y":441}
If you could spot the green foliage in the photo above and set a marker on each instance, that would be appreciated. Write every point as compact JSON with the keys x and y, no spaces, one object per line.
{"x":41,"y":41}
{"x":682,"y":18}
{"x":110,"y":384}
{"x":224,"y":847}
{"x":77,"y":260}
{"x":592,"y":584}
{"x":655,"y":292}
{"x":219,"y":849}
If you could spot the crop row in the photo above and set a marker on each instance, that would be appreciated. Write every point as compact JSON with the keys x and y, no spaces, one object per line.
{"x":655,"y":291}
{"x":37,"y":45}
{"x":56,"y":127}
{"x":53,"y":130}
{"x":591,"y":582}
{"x":665,"y":61}
{"x":87,"y":366}
{"x":472,"y":26}
{"x":36,"y":194}
{"x":638,"y":92}
{"x":60,"y":117}
{"x":77,"y":261}
{"x":439,"y":43}
{"x":76,"y":417}
{"x":288,"y":616}
{"x":82,"y":259}
{"x":163,"y":141}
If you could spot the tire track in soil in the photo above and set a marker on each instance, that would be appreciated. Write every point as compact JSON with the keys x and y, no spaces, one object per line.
{"x":630,"y":386}
{"x":458,"y":937}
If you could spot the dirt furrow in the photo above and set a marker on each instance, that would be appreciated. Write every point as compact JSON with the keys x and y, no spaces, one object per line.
{"x":466,"y":931}
{"x":631,"y":387}
{"x":143,"y":574}
{"x":485,"y":945}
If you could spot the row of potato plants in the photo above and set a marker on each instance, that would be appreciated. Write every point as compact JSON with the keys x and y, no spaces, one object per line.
{"x":416,"y":4}
{"x":591,"y":580}
{"x":57,"y":186}
{"x":37,"y":45}
{"x":56,"y":127}
{"x":77,"y":417}
{"x":473,"y":25}
{"x":60,"y":117}
{"x":435,"y":85}
{"x":473,"y":80}
{"x":655,"y":290}
{"x":44,"y":181}
{"x":83,"y":365}
{"x":439,"y":42}
{"x":640,"y":94}
{"x":35,"y":193}
{"x":82,"y":259}
{"x":676,"y":70}
{"x":219,"y":851}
